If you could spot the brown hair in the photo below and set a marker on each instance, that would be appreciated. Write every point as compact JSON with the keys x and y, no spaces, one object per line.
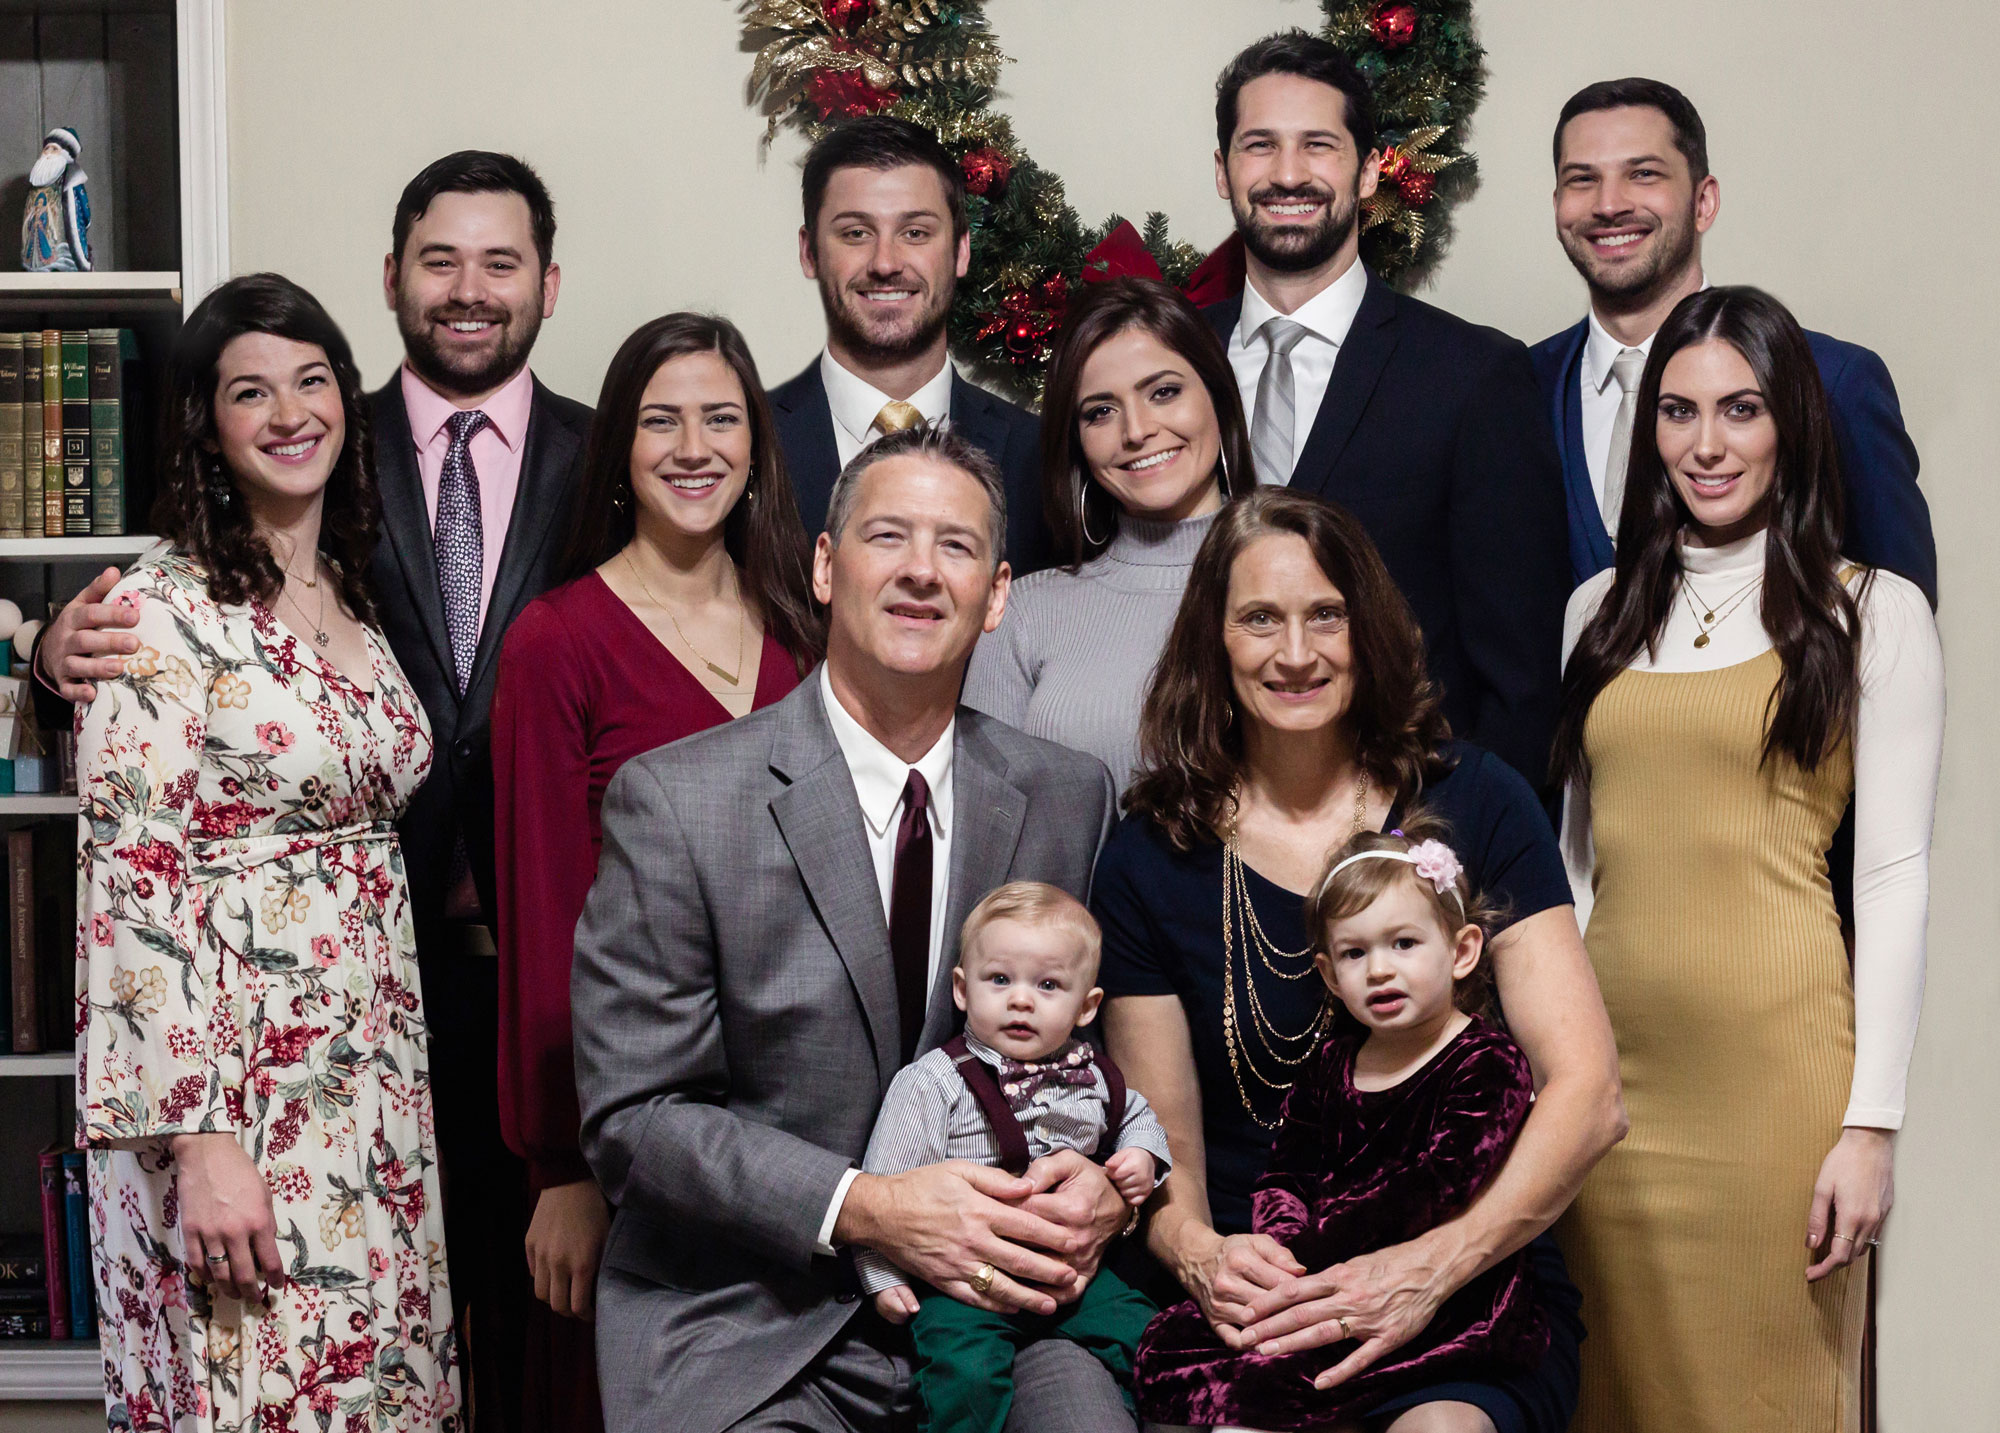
{"x":1073,"y":503}
{"x":762,"y":534}
{"x":1813,"y":620}
{"x":1034,"y":903}
{"x":198,"y":509}
{"x":1191,"y":744}
{"x":1337,"y":896}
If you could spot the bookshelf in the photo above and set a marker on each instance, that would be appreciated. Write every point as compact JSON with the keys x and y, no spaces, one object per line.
{"x":142,"y":82}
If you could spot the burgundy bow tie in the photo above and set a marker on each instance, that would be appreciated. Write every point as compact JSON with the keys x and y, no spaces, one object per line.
{"x":1020,"y":1082}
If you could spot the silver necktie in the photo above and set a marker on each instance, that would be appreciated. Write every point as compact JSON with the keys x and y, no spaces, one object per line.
{"x":1271,"y":430}
{"x":1625,"y":371}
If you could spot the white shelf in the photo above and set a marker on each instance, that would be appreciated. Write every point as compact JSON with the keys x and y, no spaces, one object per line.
{"x":26,"y":1067}
{"x":35,"y":1370}
{"x":73,"y":549}
{"x":132,"y":281}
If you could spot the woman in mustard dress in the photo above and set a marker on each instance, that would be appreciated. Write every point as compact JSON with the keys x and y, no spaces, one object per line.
{"x":1728,"y":687}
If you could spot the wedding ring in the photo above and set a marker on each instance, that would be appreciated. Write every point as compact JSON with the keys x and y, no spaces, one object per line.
{"x":982,"y":1278}
{"x":216,"y":1259}
{"x":1344,"y":1334}
{"x":1874,"y":1243}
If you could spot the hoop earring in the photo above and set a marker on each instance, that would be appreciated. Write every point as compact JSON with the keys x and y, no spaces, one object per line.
{"x":1083,"y":519}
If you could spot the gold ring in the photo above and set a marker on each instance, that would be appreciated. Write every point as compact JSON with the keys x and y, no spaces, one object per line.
{"x":1344,"y":1334}
{"x":1848,"y":1237}
{"x":982,"y":1278}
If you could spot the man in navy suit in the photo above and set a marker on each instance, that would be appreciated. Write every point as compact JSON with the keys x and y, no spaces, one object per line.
{"x":1633,"y":198}
{"x":1427,"y":428}
{"x":887,"y":240}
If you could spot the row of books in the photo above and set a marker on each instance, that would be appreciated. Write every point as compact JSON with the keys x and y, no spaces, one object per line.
{"x":67,"y":403}
{"x":39,"y":997}
{"x":46,"y":1290}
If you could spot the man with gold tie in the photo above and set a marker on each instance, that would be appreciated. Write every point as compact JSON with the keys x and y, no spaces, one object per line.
{"x":887,"y":239}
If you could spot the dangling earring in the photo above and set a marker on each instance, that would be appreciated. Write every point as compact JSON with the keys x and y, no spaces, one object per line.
{"x":1228,"y":489}
{"x":621,"y":500}
{"x":219,"y":490}
{"x":750,"y":485}
{"x":1090,"y":539}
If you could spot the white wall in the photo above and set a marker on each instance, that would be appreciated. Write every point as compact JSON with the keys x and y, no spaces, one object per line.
{"x":1848,"y":135}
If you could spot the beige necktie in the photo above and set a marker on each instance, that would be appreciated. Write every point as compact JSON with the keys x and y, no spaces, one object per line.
{"x":1625,"y":371}
{"x":897,"y":416}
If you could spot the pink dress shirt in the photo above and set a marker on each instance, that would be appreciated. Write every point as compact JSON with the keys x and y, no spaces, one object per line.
{"x":496,"y":457}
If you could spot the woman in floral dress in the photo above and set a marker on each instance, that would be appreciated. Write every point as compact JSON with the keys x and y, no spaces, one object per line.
{"x":252,"y":1081}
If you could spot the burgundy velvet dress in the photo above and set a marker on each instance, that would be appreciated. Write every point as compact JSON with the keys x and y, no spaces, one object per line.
{"x":584,"y":687}
{"x":1354,"y":1171}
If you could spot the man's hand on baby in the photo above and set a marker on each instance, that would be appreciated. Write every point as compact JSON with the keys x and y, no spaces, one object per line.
{"x":897,"y":1303}
{"x":1131,"y":1172}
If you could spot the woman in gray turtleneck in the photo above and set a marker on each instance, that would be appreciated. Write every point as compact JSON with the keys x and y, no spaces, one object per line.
{"x":1143,"y":440}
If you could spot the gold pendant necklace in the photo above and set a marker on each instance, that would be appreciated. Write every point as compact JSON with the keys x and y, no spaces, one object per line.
{"x":318,"y":627}
{"x":742,"y":621}
{"x":1285,"y":1049}
{"x":1707,"y":618}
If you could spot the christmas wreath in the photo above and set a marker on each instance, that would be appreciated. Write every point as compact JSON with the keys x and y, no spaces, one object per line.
{"x":935,"y":62}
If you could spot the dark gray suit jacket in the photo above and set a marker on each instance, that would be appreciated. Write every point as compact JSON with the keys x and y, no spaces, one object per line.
{"x":734,"y":1002}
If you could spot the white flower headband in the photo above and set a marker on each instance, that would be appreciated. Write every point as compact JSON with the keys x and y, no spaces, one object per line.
{"x":1435,"y":862}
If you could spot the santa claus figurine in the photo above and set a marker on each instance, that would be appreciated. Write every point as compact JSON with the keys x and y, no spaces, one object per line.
{"x":55,"y":230}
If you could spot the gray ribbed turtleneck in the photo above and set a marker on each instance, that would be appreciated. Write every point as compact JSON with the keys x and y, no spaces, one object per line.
{"x":1071,"y":660}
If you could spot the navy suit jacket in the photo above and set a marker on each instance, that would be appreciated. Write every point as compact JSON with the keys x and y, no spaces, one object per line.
{"x":1010,"y":436}
{"x":1888,"y":521}
{"x":1433,"y":435}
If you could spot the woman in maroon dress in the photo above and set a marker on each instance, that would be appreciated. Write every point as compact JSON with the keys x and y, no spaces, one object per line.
{"x":686,"y":604}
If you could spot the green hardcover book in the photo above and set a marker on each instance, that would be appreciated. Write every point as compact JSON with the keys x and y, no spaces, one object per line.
{"x":11,"y":470}
{"x":31,"y":434}
{"x":114,"y":354}
{"x":76,"y":432}
{"x":51,"y":522}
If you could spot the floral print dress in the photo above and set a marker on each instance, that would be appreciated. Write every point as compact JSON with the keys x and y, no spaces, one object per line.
{"x":246,"y":964}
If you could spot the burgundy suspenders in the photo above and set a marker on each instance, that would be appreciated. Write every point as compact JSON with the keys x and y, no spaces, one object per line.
{"x":985,"y":1087}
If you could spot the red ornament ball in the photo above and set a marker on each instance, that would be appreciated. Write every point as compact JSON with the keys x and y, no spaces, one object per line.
{"x":1393,"y":25}
{"x":1416,"y":188}
{"x":844,"y":94}
{"x":847,"y":15}
{"x":986,"y":171}
{"x":1022,"y":344}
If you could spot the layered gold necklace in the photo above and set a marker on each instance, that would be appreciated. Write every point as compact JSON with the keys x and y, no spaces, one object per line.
{"x":1239,"y":915}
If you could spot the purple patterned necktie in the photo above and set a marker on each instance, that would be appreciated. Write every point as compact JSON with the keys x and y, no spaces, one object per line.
{"x":460,"y":542}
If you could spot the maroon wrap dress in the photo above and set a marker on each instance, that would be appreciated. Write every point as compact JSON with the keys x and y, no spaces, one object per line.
{"x":584,"y":687}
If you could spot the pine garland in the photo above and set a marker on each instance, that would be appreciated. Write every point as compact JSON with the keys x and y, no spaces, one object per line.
{"x":936,"y":62}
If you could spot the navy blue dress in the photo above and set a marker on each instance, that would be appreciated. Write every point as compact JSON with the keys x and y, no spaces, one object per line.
{"x":1161,"y":910}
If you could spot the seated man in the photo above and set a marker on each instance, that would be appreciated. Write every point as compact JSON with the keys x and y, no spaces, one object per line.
{"x":760,"y":956}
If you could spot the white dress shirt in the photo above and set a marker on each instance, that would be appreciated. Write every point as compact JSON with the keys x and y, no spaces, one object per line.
{"x":1600,"y":395}
{"x":1327,"y":316}
{"x":879,"y":778}
{"x":1898,"y":741}
{"x":855,"y":402}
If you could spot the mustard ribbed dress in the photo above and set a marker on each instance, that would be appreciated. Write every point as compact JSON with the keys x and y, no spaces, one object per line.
{"x":1718,"y":948}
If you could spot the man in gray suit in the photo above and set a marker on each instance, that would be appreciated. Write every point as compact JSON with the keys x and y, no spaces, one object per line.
{"x":769,"y":940}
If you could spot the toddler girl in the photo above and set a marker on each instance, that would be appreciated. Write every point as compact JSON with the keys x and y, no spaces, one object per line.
{"x":1393,"y":1126}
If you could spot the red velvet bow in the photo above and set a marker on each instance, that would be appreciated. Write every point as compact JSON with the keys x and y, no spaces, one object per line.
{"x":1123,"y":254}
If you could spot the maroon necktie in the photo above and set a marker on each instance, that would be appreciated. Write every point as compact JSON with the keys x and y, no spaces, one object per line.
{"x":910,"y":911}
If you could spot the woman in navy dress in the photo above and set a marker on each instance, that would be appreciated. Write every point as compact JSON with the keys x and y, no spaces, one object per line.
{"x":1291,"y":710}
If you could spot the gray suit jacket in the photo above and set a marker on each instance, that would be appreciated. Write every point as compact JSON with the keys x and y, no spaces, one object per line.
{"x":735,"y":1014}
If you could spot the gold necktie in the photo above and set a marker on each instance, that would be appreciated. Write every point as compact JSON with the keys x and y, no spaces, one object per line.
{"x":896,"y":416}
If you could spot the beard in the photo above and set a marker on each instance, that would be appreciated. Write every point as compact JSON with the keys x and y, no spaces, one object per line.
{"x":457,"y":373}
{"x":1296,"y":248}
{"x":1673,"y":249}
{"x":889,"y":338}
{"x":48,"y":168}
